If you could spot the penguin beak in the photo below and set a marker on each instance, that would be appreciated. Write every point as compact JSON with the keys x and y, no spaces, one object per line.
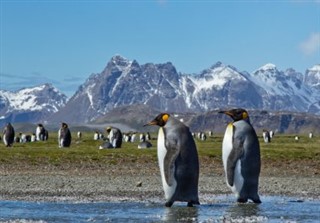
{"x":154,"y":122}
{"x":226,"y":112}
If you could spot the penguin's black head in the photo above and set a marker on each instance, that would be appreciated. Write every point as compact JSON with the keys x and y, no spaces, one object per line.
{"x":64,"y":125}
{"x":237,"y":114}
{"x":160,"y":120}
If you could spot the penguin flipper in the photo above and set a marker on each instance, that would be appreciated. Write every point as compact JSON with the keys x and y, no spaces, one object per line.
{"x":234,"y":156}
{"x":169,"y":160}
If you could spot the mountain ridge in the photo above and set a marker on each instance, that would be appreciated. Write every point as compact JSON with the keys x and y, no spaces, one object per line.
{"x":125,"y":82}
{"x":32,"y":104}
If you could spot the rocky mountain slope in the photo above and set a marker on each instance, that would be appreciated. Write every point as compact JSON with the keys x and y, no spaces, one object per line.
{"x":161,"y":86}
{"x":135,"y":116}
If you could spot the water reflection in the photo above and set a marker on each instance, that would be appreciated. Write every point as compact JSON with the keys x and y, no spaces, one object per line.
{"x":244,"y":210}
{"x":181,"y":214}
{"x":273,"y":209}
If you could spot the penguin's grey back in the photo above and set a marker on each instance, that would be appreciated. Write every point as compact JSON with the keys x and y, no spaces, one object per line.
{"x":250,"y":161}
{"x":187,"y":163}
{"x":65,"y":135}
{"x":8,"y":136}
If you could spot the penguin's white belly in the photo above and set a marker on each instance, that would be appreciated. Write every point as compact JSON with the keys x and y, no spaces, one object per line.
{"x":227,"y":147}
{"x":162,"y":151}
{"x":5,"y":140}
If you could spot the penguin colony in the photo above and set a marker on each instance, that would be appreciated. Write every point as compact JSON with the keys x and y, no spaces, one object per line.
{"x":177,"y":154}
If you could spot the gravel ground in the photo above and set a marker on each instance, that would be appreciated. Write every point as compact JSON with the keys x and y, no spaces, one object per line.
{"x":103,"y":186}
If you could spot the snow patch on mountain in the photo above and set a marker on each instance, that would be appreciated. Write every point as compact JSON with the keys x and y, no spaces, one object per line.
{"x":35,"y":103}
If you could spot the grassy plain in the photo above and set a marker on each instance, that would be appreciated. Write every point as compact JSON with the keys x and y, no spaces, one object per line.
{"x":280,"y":157}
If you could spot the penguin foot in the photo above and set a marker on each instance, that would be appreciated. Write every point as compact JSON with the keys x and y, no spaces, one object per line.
{"x":257,"y":201}
{"x":242,"y":200}
{"x":191,"y":203}
{"x":168,"y":204}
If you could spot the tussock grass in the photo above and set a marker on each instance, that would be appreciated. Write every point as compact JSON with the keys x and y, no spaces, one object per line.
{"x":85,"y":152}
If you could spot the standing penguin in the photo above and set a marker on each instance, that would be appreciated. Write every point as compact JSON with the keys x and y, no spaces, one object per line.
{"x":115,"y":136}
{"x":8,"y":135}
{"x":241,"y":156}
{"x":41,"y":133}
{"x":178,"y":160}
{"x":64,"y":136}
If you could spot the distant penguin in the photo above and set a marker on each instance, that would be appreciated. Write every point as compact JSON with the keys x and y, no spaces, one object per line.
{"x":271,"y":134}
{"x":64,"y":136}
{"x":144,"y":145}
{"x":40,"y":132}
{"x":106,"y":145}
{"x":28,"y":138}
{"x":23,"y":137}
{"x":46,"y":135}
{"x":8,"y":135}
{"x":16,"y":139}
{"x":79,"y":135}
{"x":33,"y":137}
{"x":178,"y":160}
{"x":133,"y":137}
{"x":142,"y":137}
{"x":114,"y":136}
{"x":203,"y":136}
{"x":296,"y":138}
{"x":148,"y":137}
{"x":266,"y":136}
{"x":96,"y":135}
{"x":310,"y":135}
{"x":241,"y":156}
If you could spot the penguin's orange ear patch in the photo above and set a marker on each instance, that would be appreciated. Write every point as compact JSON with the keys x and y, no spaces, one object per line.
{"x":165,"y":117}
{"x":244,"y":115}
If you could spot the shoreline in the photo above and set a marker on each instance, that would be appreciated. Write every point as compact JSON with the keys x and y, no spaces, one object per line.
{"x":63,"y":186}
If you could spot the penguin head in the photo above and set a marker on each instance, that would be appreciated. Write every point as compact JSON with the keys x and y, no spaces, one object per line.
{"x":237,"y":114}
{"x":64,"y":125}
{"x":160,"y":120}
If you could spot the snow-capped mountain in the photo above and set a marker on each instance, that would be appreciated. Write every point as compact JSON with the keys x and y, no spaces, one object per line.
{"x":312,"y":77}
{"x":125,"y":82}
{"x":283,"y":90}
{"x":30,"y":104}
{"x":221,"y":86}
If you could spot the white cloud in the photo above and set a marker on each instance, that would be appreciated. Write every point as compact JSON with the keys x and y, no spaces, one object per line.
{"x":164,"y":2}
{"x":311,"y":45}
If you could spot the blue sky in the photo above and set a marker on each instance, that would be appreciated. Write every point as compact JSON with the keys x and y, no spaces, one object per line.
{"x":62,"y":42}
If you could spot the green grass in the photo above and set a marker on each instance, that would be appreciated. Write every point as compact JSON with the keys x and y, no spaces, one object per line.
{"x":86,"y":152}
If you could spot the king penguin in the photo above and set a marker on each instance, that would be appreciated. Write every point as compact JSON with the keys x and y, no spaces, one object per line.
{"x":178,"y":160}
{"x":8,"y":135}
{"x":241,"y":156}
{"x":64,"y":136}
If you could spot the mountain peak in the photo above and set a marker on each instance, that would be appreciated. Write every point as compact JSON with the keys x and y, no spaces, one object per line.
{"x":120,"y":61}
{"x":315,"y":68}
{"x":216,"y":65}
{"x":268,"y":66}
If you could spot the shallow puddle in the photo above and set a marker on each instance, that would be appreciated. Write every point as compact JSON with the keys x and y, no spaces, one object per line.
{"x":222,"y":209}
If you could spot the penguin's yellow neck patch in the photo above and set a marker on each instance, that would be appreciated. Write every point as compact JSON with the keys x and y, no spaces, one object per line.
{"x":165,"y":117}
{"x":230,"y":125}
